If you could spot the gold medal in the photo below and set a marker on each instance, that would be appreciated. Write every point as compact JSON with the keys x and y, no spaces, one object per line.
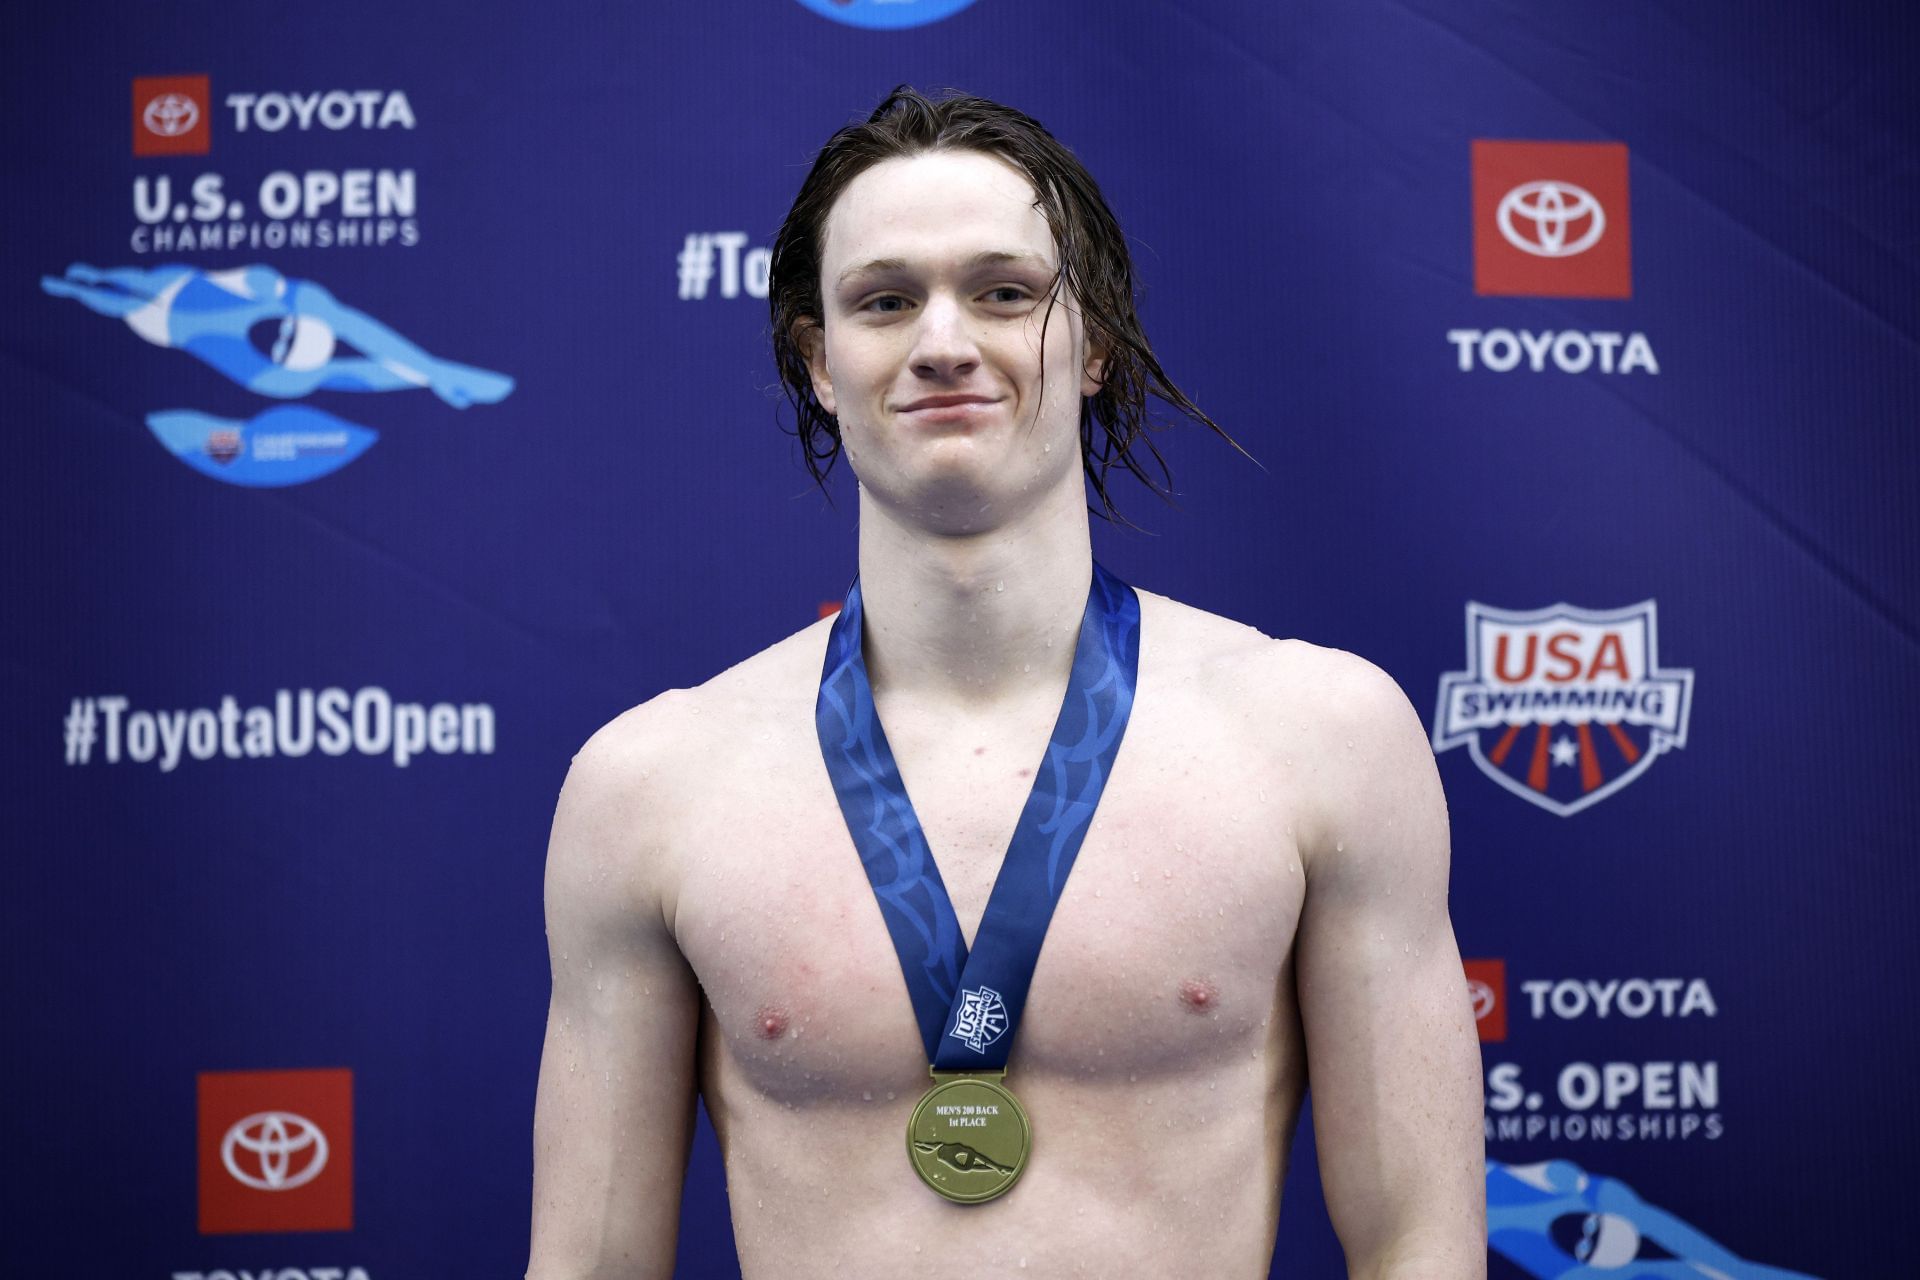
{"x":969,"y":1138}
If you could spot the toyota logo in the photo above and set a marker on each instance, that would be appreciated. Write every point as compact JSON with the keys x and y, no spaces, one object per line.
{"x":171,"y":114}
{"x":262,"y":1151}
{"x":1482,"y":998}
{"x":1546,"y":213}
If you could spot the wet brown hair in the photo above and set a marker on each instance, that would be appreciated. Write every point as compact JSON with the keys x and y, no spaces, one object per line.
{"x":1094,"y":264}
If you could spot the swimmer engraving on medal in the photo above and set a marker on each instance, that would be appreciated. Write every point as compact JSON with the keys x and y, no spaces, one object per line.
{"x":957,"y":1155}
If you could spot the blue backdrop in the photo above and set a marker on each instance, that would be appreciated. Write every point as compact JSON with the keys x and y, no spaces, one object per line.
{"x":392,"y":405}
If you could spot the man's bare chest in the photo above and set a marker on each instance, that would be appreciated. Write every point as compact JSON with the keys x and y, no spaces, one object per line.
{"x":1168,"y":949}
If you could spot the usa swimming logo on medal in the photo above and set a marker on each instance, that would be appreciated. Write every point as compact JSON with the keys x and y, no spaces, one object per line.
{"x":982,"y":1019}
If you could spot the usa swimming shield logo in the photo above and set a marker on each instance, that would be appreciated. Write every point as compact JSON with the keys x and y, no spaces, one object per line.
{"x":982,"y":1018}
{"x":1563,"y":706}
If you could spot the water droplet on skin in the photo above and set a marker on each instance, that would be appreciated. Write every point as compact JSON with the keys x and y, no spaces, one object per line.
{"x":1001,"y":586}
{"x":1026,"y":666}
{"x":1340,"y":846}
{"x":866,"y":1095}
{"x":1222,"y":911}
{"x":889,"y":1095}
{"x":1166,"y":873}
{"x":759,"y":1204}
{"x":1136,"y":877}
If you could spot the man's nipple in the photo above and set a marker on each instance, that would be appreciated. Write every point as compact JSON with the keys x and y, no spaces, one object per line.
{"x":1199,"y":995}
{"x":770,"y":1022}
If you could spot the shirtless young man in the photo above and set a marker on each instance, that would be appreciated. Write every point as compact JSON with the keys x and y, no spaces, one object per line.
{"x":1260,"y":899}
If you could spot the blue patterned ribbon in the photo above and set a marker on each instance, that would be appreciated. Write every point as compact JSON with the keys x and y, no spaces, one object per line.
{"x":968,"y":1005}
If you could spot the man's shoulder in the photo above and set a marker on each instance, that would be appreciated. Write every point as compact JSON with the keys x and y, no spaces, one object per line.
{"x":1286,"y":699}
{"x":682,"y":733}
{"x":1367,"y":752}
{"x":1320,"y":682}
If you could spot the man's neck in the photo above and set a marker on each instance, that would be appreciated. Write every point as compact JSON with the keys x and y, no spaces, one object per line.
{"x":976,"y":619}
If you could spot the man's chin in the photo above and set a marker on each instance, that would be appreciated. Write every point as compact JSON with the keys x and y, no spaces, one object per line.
{"x":956,"y":502}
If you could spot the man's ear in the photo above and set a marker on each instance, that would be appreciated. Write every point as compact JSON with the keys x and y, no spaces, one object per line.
{"x":812,"y":341}
{"x":1093,"y":375}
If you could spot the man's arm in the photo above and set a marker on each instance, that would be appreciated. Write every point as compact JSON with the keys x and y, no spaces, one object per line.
{"x":614,"y":1115}
{"x":1393,"y":1060}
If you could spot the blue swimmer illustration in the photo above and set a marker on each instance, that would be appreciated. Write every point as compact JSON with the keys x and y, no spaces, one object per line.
{"x":212,"y":314}
{"x":318,"y":344}
{"x":1620,"y":1236}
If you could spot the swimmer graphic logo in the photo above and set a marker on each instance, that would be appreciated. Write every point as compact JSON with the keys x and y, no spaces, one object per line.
{"x":1556,"y":1221}
{"x":1550,"y":220}
{"x":172,"y":116}
{"x":982,"y":1019}
{"x":1563,"y":706}
{"x":886,"y":15}
{"x":276,"y":1151}
{"x":278,"y":337}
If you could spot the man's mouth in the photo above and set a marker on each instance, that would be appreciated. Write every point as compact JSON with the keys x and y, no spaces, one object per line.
{"x":959,"y":404}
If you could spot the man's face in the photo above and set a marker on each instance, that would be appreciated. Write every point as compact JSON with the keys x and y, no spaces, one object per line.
{"x":935,"y":280}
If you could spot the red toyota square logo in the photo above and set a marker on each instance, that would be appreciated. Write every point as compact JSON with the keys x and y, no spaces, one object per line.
{"x":276,"y":1151}
{"x":1550,"y":220}
{"x":172,"y":116}
{"x":1487,"y":984}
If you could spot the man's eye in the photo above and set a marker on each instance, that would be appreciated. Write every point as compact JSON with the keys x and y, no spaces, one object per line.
{"x":886,"y":303}
{"x":1007,"y":293}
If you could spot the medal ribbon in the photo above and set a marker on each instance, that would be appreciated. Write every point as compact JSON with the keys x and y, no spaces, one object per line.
{"x":969,"y":1005}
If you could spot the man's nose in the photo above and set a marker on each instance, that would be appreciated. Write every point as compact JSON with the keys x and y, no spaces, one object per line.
{"x":943,"y":345}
